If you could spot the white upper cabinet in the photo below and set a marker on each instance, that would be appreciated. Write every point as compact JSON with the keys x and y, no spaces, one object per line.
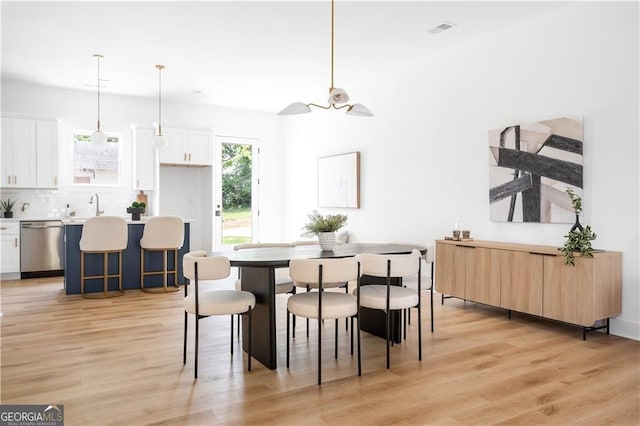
{"x":18,"y":153}
{"x":144,"y":173}
{"x":47,"y":154}
{"x":29,"y":153}
{"x":187,"y":147}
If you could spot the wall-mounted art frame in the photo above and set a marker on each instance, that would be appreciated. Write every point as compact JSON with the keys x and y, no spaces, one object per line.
{"x":531,"y":166}
{"x":339,"y":180}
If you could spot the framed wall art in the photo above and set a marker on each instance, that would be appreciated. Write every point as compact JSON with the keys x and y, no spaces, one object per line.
{"x":339,"y":181}
{"x":530,"y":168}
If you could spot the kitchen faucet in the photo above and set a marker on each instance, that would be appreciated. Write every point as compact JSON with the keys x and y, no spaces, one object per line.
{"x":98,"y":211}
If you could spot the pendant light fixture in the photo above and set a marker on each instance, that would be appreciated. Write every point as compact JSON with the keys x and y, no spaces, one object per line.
{"x":337,"y":96}
{"x":160,"y":141}
{"x":98,"y":136}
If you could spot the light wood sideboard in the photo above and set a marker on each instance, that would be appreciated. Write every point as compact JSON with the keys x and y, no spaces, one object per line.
{"x":532,"y":279}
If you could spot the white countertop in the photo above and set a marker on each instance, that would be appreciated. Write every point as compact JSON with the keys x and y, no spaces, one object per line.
{"x":77,"y":220}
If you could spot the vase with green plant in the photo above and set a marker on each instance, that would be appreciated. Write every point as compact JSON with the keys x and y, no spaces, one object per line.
{"x":579,"y":238}
{"x":324,"y":227}
{"x":136,"y":210}
{"x":7,"y":207}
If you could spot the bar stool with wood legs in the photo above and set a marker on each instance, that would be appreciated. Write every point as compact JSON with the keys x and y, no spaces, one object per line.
{"x":103,"y":235}
{"x":162,"y":234}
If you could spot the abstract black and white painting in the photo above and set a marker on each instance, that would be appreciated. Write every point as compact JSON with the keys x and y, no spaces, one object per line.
{"x":530,"y":168}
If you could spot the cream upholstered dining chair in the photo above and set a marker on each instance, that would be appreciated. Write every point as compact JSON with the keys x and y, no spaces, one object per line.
{"x":391,"y":297}
{"x":200,"y":303}
{"x":322,"y":305}
{"x":341,"y":238}
{"x":162,"y":234}
{"x":104,"y":235}
{"x":427,"y":277}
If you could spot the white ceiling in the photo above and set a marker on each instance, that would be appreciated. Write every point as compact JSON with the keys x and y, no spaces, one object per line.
{"x":257,"y":54}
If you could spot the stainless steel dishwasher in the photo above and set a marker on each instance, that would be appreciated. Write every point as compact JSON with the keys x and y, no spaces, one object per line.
{"x":41,"y":248}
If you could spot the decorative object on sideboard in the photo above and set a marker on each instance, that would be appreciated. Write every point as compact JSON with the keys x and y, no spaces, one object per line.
{"x":136,"y":210}
{"x":98,"y":136}
{"x":579,"y":238}
{"x":325,"y":228}
{"x":7,"y":207}
{"x":160,"y":141}
{"x":336,"y":95}
{"x":529,"y":165}
{"x":576,"y":202}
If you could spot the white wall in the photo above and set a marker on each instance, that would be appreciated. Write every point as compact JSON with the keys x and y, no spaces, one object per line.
{"x":77,"y":109}
{"x":425,"y":158}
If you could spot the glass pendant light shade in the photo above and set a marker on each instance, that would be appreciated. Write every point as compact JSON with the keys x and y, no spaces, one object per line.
{"x":160,"y":141}
{"x":295,"y":108}
{"x":338,"y":96}
{"x":98,"y":137}
{"x":359,"y":110}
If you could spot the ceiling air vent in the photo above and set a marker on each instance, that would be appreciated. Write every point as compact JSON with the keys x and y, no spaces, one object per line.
{"x":440,"y":28}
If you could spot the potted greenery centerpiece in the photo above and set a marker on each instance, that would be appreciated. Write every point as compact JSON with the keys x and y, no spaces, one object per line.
{"x":325,"y":228}
{"x":7,"y":207}
{"x":579,"y":238}
{"x":136,"y":210}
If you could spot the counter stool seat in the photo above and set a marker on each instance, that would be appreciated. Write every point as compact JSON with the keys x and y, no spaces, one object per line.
{"x":162,"y":234}
{"x":103,"y":235}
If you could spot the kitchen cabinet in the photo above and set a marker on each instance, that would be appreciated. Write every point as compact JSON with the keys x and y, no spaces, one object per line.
{"x":187,"y":147}
{"x":18,"y":153}
{"x":46,"y":154}
{"x":10,"y":247}
{"x":29,"y":153}
{"x":145,"y":160}
{"x":532,"y":279}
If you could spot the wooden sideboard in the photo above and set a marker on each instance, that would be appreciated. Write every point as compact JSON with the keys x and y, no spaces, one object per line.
{"x":532,"y":279}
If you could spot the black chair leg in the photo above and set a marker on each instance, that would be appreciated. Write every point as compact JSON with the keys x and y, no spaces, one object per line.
{"x":288,"y":344}
{"x":249,"y":338}
{"x":359,"y":357}
{"x":184,"y":346}
{"x":419,"y":331}
{"x":232,"y":331}
{"x":336,"y":338}
{"x":294,"y":326}
{"x":431,"y":291}
{"x":388,"y":335}
{"x":195,"y":367}
{"x":351,"y":336}
{"x":319,"y":351}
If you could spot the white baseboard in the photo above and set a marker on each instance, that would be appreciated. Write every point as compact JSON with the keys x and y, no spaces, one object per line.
{"x":624,"y":328}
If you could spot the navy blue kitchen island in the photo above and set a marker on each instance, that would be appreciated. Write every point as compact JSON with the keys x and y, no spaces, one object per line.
{"x":130,"y":261}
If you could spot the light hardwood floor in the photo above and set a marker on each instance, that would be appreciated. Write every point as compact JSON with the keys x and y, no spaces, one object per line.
{"x":119,"y":361}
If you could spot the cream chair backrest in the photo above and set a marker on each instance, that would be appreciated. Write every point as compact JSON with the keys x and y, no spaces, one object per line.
{"x":104,"y":233}
{"x":163,"y":232}
{"x":209,"y":267}
{"x":430,"y":257}
{"x":333,"y":270}
{"x":402,"y":265}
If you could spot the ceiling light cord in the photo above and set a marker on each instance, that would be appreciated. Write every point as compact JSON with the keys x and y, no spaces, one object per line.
{"x":98,"y":57}
{"x":332,"y":36}
{"x":159,"y":67}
